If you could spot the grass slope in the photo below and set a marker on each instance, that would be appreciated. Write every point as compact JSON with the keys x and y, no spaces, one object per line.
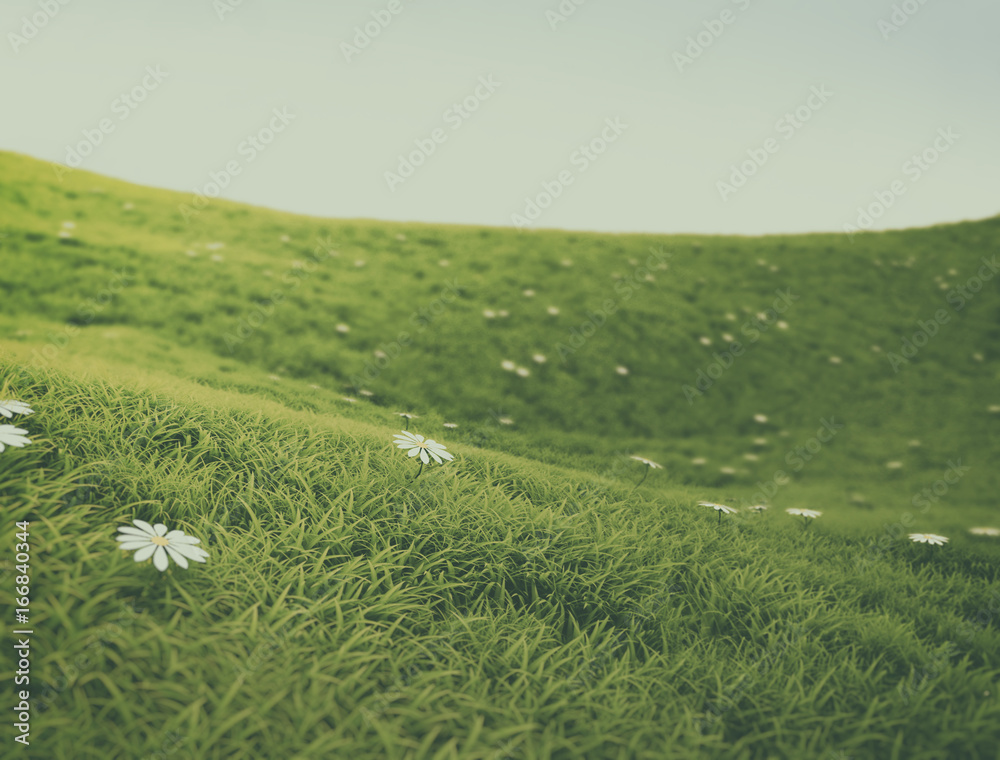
{"x":522,"y":601}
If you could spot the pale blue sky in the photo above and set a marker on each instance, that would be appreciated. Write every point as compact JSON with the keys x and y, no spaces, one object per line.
{"x":557,"y":87}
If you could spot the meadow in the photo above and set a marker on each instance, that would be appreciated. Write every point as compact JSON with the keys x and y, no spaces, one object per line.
{"x":237,"y":373}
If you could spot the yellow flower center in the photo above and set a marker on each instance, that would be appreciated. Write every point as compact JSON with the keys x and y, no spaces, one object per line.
{"x":160,"y":541}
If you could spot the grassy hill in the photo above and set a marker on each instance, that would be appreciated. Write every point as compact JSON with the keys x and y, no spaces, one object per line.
{"x":192,"y":366}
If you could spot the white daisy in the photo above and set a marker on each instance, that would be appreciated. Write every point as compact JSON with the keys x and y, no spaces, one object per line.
{"x":985,"y":531}
{"x":285,"y":238}
{"x":298,"y":264}
{"x":539,"y":358}
{"x":407,"y":416}
{"x":451,"y":425}
{"x":751,"y":457}
{"x":928,"y":538}
{"x":893,"y":465}
{"x":508,"y":365}
{"x":489,"y":313}
{"x":157,"y":542}
{"x":782,"y":324}
{"x":443,"y":263}
{"x":705,"y":340}
{"x":809,"y":513}
{"x":553,"y":310}
{"x":380,"y":354}
{"x":621,"y":370}
{"x":342,"y":328}
{"x":727,"y":470}
{"x":728,"y":338}
{"x":977,"y":357}
{"x":760,"y":442}
{"x":400,"y":237}
{"x":523,"y":371}
{"x":731,"y":317}
{"x":993,"y":408}
{"x":567,"y":262}
{"x":69,"y":225}
{"x":349,"y":400}
{"x":761,"y":418}
{"x":128,"y":206}
{"x":648,"y":462}
{"x":529,"y":293}
{"x":503,"y":313}
{"x":757,"y":508}
{"x":12,"y":436}
{"x":359,"y":263}
{"x":835,"y":360}
{"x":722,"y":509}
{"x":214,"y":246}
{"x":416,"y":445}
{"x":505,"y":421}
{"x":698,"y":461}
{"x":216,"y":257}
{"x":191,"y":253}
{"x":65,"y":234}
{"x":366,"y":393}
{"x":10,"y":408}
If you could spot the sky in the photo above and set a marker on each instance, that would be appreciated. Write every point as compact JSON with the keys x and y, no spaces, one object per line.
{"x":665,"y":116}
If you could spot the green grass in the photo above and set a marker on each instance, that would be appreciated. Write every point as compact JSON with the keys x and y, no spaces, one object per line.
{"x":522,"y":601}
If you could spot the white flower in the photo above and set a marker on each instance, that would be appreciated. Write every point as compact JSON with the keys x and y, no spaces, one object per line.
{"x":728,"y":338}
{"x":812,"y":513}
{"x":505,"y":421}
{"x":191,"y":253}
{"x":65,"y":234}
{"x":718,"y":507}
{"x":285,"y":238}
{"x":977,"y":357}
{"x":523,"y":371}
{"x":648,"y":462}
{"x":416,"y":444}
{"x":216,"y":257}
{"x":274,"y":377}
{"x":928,"y":538}
{"x":705,"y":340}
{"x":698,"y":461}
{"x":993,"y":408}
{"x":349,"y":400}
{"x":451,"y":425}
{"x":761,"y":418}
{"x":835,"y":360}
{"x":508,"y":365}
{"x":503,"y":313}
{"x":489,"y":313}
{"x":156,"y":542}
{"x":893,"y":465}
{"x":731,"y":317}
{"x":567,"y":262}
{"x":539,"y":358}
{"x":782,"y":324}
{"x":985,"y":531}
{"x":443,"y":263}
{"x":366,"y":393}
{"x":751,"y":457}
{"x":727,"y":470}
{"x":342,"y":328}
{"x":380,"y":354}
{"x":760,"y":442}
{"x":400,"y":237}
{"x":359,"y":262}
{"x":407,"y":415}
{"x":128,"y":206}
{"x":758,"y":508}
{"x":529,"y":293}
{"x":10,"y":408}
{"x":621,"y":370}
{"x":214,"y":246}
{"x":553,"y":310}
{"x":12,"y":436}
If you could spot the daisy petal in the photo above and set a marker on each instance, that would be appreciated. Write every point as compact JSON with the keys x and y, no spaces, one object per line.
{"x":182,"y":539}
{"x":160,"y":561}
{"x":161,"y":529}
{"x":129,"y":546}
{"x":423,"y":456}
{"x":191,"y":552}
{"x":134,"y":532}
{"x":176,"y":556}
{"x":145,"y":527}
{"x":145,"y":553}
